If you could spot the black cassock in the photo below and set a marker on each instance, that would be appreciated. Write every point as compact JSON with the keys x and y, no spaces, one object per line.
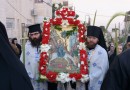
{"x":112,"y":57}
{"x":13,"y":75}
{"x":118,"y":76}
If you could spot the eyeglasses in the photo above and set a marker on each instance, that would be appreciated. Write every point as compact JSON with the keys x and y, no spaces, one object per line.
{"x":33,"y":34}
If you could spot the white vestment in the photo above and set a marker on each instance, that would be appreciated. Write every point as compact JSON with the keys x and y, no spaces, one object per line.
{"x":32,"y":57}
{"x":98,"y":66}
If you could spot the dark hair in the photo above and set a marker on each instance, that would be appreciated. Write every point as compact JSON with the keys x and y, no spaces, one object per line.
{"x":14,"y":40}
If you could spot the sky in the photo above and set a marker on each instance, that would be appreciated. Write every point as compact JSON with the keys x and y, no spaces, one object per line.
{"x":105,"y":10}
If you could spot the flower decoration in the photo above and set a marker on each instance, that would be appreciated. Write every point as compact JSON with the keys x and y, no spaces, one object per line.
{"x":51,"y":76}
{"x":45,"y":47}
{"x":66,"y":17}
{"x":84,"y":78}
{"x":71,"y":13}
{"x":63,"y":77}
{"x":82,"y":46}
{"x":65,"y":23}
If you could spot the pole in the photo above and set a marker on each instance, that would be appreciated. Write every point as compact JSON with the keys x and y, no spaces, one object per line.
{"x":23,"y":46}
{"x":116,"y":40}
{"x":119,"y":28}
{"x":88,"y":23}
{"x":95,"y":18}
{"x":24,"y":38}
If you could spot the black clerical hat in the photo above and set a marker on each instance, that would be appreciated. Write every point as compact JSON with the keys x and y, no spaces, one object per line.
{"x":93,"y":31}
{"x":128,"y":39}
{"x":34,"y":28}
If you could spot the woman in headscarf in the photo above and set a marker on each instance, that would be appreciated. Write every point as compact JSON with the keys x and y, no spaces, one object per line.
{"x":13,"y":74}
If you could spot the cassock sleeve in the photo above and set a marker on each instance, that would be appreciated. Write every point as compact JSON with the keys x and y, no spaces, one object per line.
{"x":116,"y":78}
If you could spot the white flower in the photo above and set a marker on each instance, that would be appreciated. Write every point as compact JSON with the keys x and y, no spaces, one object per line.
{"x":42,"y":68}
{"x":82,"y":27}
{"x":54,"y":19}
{"x":82,"y":62}
{"x":82,"y":36}
{"x":65,"y":23}
{"x":85,"y":67}
{"x":73,"y":79}
{"x":85,"y":33}
{"x":71,"y":16}
{"x":83,"y":55}
{"x":45,"y":47}
{"x":45,"y":35}
{"x":78,"y":65}
{"x":56,"y":5}
{"x":47,"y":23}
{"x":78,"y":38}
{"x":63,"y":77}
{"x":85,"y":78}
{"x":82,"y":46}
{"x":58,"y":16}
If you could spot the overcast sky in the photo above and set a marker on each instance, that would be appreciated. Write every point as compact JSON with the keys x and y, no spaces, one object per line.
{"x":105,"y":9}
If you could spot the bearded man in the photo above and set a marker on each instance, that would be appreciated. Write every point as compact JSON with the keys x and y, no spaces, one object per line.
{"x":97,"y":57}
{"x":32,"y":56}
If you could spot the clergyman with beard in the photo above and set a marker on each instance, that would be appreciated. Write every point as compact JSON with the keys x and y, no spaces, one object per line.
{"x":97,"y":57}
{"x":32,"y":56}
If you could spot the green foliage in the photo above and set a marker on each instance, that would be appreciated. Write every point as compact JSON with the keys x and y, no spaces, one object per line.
{"x":70,"y":32}
{"x":40,"y":80}
{"x":58,"y":28}
{"x":76,"y":16}
{"x":122,"y":39}
{"x":45,"y":18}
{"x":57,"y":8}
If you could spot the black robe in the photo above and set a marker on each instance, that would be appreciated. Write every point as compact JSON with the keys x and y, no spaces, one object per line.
{"x":112,"y":57}
{"x":20,"y":50}
{"x":13,"y":75}
{"x":118,"y":76}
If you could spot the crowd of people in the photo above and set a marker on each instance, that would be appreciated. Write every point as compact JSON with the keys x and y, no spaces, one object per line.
{"x":109,"y":68}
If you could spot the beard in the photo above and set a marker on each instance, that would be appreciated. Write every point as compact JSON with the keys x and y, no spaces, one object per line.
{"x":36,"y":41}
{"x":91,"y":45}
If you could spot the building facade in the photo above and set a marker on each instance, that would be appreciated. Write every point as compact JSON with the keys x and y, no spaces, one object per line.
{"x":18,"y":14}
{"x":42,"y":9}
{"x":15,"y":15}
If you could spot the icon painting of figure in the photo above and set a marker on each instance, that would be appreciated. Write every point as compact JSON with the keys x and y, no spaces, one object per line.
{"x":62,"y":57}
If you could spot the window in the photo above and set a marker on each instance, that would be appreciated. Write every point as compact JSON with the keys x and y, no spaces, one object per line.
{"x":38,"y":1}
{"x":10,"y":23}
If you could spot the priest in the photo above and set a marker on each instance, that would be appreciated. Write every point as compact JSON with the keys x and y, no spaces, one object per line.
{"x":97,"y":57}
{"x":32,"y":56}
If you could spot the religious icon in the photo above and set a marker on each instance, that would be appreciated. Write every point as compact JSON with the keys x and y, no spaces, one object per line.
{"x":64,"y":52}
